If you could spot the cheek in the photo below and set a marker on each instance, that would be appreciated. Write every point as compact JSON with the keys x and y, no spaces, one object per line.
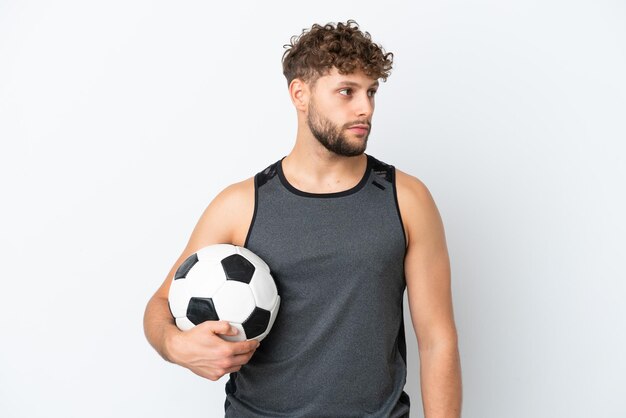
{"x":336,"y":111}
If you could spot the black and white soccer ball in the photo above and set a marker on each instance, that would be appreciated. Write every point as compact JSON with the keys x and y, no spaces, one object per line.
{"x":225,"y":282}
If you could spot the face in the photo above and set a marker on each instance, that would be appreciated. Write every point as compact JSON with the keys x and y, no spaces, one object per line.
{"x":338,"y":103}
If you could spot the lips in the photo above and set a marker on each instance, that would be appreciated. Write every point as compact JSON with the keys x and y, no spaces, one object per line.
{"x":360,"y":129}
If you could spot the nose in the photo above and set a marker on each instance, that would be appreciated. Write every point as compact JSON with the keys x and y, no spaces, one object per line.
{"x":364,"y":106}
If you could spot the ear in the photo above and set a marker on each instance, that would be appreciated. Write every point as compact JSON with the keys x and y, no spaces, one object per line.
{"x":299,"y":93}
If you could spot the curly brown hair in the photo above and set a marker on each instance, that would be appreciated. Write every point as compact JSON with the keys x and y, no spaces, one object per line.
{"x":314,"y":52}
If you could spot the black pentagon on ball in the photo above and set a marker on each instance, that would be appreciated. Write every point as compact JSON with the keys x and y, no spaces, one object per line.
{"x":257,"y":322}
{"x":184,"y":268}
{"x":200,"y":310}
{"x":236,"y":267}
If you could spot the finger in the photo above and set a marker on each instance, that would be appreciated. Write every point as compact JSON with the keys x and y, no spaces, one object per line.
{"x":244,"y":347}
{"x":241,"y":359}
{"x":232,"y":369}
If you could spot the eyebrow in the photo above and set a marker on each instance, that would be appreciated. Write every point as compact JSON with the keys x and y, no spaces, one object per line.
{"x":355,"y":84}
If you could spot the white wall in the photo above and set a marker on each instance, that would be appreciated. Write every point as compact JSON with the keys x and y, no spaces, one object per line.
{"x":121,"y":120}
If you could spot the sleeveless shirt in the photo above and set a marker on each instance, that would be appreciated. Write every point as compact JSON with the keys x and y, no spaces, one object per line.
{"x":337,"y":347}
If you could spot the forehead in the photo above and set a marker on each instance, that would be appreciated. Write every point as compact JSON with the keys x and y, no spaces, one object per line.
{"x":356,"y":79}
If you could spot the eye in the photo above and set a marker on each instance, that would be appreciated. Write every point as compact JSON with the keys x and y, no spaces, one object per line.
{"x":345,"y":90}
{"x":372,"y":93}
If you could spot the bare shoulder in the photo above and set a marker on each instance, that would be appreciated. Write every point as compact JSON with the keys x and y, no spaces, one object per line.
{"x":227,"y":218}
{"x":240,"y":205}
{"x":234,"y":196}
{"x":418,"y":210}
{"x":412,"y":186}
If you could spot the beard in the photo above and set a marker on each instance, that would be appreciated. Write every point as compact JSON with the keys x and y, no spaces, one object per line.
{"x":332,"y":137}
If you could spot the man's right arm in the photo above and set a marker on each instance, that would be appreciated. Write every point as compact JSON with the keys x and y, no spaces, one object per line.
{"x":225,"y":220}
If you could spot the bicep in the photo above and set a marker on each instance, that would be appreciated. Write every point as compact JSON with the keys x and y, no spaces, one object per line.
{"x":427,"y":266}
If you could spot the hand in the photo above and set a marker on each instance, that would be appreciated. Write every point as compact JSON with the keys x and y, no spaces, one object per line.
{"x":206,"y":354}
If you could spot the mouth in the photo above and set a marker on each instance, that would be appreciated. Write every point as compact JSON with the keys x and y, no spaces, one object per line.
{"x":359,"y":129}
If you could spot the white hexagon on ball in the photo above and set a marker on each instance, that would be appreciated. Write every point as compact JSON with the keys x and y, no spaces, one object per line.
{"x":234,"y":301}
{"x":263,"y":289}
{"x":205,"y":278}
{"x":178,"y":299}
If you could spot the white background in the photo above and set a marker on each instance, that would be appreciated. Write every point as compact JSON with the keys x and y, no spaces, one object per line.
{"x":121,"y":120}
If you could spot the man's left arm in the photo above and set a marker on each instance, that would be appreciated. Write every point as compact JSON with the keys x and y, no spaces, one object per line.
{"x":427,"y":272}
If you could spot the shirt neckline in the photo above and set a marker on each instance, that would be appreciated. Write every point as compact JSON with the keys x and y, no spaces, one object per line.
{"x":347,"y":192}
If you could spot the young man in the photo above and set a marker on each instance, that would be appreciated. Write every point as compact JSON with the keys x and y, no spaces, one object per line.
{"x":344,"y":235}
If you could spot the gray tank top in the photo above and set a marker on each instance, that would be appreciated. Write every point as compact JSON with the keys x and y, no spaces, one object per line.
{"x":337,"y":347}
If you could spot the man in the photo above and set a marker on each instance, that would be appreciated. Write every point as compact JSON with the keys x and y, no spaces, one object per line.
{"x":344,"y":235}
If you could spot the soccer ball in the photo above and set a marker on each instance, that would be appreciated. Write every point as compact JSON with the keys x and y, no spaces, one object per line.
{"x":225,"y":282}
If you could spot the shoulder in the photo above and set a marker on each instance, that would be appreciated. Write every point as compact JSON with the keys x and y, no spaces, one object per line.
{"x":417,"y":207}
{"x":411,"y":188}
{"x":227,"y":216}
{"x":236,"y":194}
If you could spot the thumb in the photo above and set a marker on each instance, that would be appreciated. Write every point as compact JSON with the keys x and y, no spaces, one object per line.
{"x":222,"y":327}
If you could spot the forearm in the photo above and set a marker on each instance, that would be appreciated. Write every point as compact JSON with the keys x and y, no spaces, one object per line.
{"x":159,"y":326}
{"x":440,"y":373}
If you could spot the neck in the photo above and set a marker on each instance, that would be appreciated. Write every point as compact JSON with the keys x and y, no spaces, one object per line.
{"x":315,"y":169}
